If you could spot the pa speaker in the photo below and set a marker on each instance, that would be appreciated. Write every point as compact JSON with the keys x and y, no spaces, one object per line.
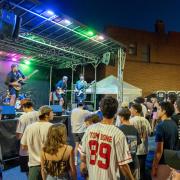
{"x":17,"y":27}
{"x":106,"y":58}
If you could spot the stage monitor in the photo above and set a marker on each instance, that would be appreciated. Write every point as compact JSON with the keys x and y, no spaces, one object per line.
{"x":57,"y":110}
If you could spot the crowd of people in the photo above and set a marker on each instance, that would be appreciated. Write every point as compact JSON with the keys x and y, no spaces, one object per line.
{"x":103,"y":149}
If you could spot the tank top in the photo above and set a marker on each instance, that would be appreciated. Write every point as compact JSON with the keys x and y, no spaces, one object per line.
{"x":57,"y":168}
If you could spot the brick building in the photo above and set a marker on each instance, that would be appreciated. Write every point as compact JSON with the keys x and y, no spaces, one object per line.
{"x":153,"y":58}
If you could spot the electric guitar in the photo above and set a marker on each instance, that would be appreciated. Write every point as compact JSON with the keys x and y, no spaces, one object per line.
{"x":83,"y":91}
{"x":62,"y":91}
{"x":20,"y":82}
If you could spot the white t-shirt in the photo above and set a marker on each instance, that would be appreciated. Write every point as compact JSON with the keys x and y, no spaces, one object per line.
{"x":25,"y":120}
{"x":144,"y":110}
{"x":106,"y":148}
{"x":34,"y":137}
{"x":77,"y":120}
{"x":144,"y":130}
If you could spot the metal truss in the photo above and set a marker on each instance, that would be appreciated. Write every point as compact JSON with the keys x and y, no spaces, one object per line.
{"x":51,"y":43}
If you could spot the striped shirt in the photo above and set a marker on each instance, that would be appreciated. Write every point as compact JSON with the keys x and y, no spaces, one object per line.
{"x":144,"y":129}
{"x":105,"y":148}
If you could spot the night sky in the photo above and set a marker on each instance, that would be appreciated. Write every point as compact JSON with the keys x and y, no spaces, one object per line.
{"x":139,"y":14}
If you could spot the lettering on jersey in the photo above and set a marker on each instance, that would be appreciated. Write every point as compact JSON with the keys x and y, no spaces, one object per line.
{"x":94,"y":135}
{"x":102,"y":137}
{"x":106,"y":138}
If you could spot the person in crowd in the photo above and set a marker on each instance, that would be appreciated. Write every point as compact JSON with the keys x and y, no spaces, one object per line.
{"x":99,"y":113}
{"x":133,"y":140}
{"x":154,"y":116}
{"x":30,"y":116}
{"x":144,"y":129}
{"x":33,"y":140}
{"x":91,"y":119}
{"x":78,"y":126}
{"x":176,"y":119}
{"x":140,"y":100}
{"x":104,"y":146}
{"x":166,"y":138}
{"x":57,"y":158}
{"x":172,"y":98}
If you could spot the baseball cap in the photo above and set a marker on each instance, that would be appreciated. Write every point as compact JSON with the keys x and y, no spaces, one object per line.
{"x":14,"y":65}
{"x":65,"y":77}
{"x":24,"y":101}
{"x":44,"y":110}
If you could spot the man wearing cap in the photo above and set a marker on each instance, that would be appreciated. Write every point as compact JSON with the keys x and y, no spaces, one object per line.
{"x":11,"y":81}
{"x":33,"y":139}
{"x":61,"y":88}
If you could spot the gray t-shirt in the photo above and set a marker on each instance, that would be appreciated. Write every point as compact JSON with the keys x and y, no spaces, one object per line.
{"x":77,"y":120}
{"x":133,"y":140}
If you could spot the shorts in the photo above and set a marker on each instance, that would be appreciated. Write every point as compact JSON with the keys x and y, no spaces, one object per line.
{"x":78,"y":136}
{"x":23,"y":162}
{"x":35,"y":173}
{"x":12,"y":91}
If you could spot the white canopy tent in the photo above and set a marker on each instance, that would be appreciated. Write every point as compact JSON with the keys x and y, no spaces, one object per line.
{"x":110,"y":85}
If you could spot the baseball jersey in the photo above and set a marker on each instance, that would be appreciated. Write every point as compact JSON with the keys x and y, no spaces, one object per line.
{"x":105,"y":148}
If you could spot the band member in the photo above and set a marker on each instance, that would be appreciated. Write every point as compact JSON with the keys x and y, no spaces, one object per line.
{"x":61,"y":88}
{"x":13,"y":80}
{"x":80,"y":88}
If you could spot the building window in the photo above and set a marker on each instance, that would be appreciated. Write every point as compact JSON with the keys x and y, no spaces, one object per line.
{"x":146,"y":53}
{"x":132,"y":49}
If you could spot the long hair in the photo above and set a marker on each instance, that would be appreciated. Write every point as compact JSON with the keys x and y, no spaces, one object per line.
{"x":56,"y":137}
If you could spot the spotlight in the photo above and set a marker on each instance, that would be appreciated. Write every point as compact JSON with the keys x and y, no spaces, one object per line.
{"x":50,"y":13}
{"x":14,"y":59}
{"x":101,"y":37}
{"x":27,"y":62}
{"x":90,"y":33}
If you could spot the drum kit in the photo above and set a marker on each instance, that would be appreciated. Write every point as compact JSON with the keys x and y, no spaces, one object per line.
{"x":6,"y":98}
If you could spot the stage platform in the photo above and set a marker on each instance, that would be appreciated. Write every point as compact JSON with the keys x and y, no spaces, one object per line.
{"x":9,"y":145}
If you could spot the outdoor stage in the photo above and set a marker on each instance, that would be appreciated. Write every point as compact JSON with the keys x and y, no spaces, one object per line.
{"x":55,"y":45}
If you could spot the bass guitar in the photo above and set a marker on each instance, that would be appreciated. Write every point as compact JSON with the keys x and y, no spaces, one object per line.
{"x":83,"y":91}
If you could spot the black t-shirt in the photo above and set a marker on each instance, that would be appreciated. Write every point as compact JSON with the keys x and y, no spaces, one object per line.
{"x":176,"y":119}
{"x":167,"y":133}
{"x":133,"y":140}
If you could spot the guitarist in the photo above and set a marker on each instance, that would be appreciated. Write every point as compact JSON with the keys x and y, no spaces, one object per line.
{"x":61,"y":88}
{"x":11,"y":81}
{"x":80,"y":88}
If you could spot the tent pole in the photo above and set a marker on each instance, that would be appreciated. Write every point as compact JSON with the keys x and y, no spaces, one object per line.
{"x":50,"y":83}
{"x":95,"y":78}
{"x":72,"y":75}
